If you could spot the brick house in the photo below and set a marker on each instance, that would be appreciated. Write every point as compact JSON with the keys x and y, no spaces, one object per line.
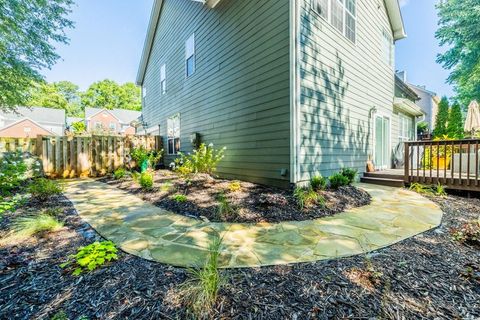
{"x":30,"y":122}
{"x":115,"y":120}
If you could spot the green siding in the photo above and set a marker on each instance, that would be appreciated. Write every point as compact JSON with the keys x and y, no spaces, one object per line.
{"x":340,"y":82}
{"x":239,"y":94}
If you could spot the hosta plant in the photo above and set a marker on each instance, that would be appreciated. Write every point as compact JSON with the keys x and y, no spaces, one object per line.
{"x":91,"y":257}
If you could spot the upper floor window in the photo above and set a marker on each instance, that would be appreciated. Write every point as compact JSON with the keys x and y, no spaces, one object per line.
{"x":387,"y":48}
{"x":342,"y":14}
{"x":190,"y":56}
{"x":163,"y":79}
{"x":112,"y":126}
{"x":406,"y":128}
{"x":173,"y":134}
{"x":144,"y":92}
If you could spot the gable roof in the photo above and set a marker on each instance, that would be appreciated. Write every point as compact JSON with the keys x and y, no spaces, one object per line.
{"x":36,"y":114}
{"x":393,"y":9}
{"x":26,"y":119}
{"x":123,"y":116}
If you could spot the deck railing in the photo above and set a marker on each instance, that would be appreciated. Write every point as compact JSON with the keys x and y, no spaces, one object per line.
{"x":451,"y":163}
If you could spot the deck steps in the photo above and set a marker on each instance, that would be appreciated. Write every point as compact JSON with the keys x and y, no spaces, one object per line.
{"x":383,"y":180}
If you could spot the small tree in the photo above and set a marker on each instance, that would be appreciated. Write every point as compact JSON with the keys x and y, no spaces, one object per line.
{"x":455,"y":122}
{"x":442,"y":118}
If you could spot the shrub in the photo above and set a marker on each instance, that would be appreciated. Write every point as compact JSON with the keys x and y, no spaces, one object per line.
{"x":225,"y":210}
{"x":467,"y":233}
{"x":234,"y":186}
{"x":140,"y":155}
{"x":338,"y":180}
{"x":179,"y":198}
{"x":11,"y":205}
{"x":200,"y":292}
{"x":306,"y":197}
{"x":350,"y":173}
{"x":119,"y":174}
{"x":12,"y":172}
{"x":318,"y":183}
{"x":203,"y":160}
{"x":29,"y":226}
{"x":91,"y":257}
{"x":42,"y":189}
{"x":166,"y":186}
{"x":146,"y":180}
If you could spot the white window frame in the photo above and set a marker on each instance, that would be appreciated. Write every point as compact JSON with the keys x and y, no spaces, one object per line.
{"x":387,"y":48}
{"x":144,"y":92}
{"x":328,"y":16}
{"x":163,"y":79}
{"x":190,"y":54}
{"x":173,"y":134}
{"x":112,"y":126}
{"x":406,"y":128}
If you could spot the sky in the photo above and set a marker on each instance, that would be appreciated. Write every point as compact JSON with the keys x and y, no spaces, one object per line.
{"x":108,"y":37}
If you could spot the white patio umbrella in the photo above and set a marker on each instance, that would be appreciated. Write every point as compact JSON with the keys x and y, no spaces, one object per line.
{"x":472,"y":123}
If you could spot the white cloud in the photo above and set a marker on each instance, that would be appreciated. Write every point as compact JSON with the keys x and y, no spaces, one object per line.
{"x":404,"y":2}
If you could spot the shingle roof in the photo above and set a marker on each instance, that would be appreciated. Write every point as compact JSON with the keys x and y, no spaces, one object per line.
{"x":125,"y":116}
{"x":37,"y":114}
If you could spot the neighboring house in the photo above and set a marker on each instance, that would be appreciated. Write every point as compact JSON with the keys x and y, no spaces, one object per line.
{"x":292,"y":88}
{"x":428,"y":100}
{"x":115,"y":120}
{"x":30,"y":122}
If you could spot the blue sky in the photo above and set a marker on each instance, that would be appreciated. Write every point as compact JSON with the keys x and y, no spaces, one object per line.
{"x":108,"y":39}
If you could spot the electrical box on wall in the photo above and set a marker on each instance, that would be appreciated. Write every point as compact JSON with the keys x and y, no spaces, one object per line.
{"x":195,"y":139}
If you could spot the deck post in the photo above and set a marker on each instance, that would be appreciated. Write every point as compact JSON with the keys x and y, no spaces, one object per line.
{"x":407,"y":162}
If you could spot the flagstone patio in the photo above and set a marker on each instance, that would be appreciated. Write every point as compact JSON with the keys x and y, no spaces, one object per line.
{"x":145,"y":230}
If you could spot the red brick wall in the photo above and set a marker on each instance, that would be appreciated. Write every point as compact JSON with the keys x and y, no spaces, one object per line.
{"x":24,"y":129}
{"x":104,"y":118}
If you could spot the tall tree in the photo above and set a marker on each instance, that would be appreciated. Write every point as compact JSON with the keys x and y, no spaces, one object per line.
{"x":460,"y":31}
{"x":28,"y":31}
{"x":442,"y":118}
{"x":110,"y":95}
{"x":455,"y":122}
{"x":59,"y":95}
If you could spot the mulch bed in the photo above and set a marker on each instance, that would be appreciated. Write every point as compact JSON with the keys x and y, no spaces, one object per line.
{"x":425,"y":277}
{"x":253,"y":202}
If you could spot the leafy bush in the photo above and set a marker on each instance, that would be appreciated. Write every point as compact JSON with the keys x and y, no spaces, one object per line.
{"x":179,"y":198}
{"x":306,"y":197}
{"x":146,"y":180}
{"x":234,"y":186}
{"x":350,"y":173}
{"x":29,"y":226}
{"x":318,"y":183}
{"x":141,"y":154}
{"x":200,"y":292}
{"x":91,"y":257}
{"x":225,"y":210}
{"x":119,"y":174}
{"x":12,"y":172}
{"x":468,"y":233}
{"x":42,"y":189}
{"x":11,"y":205}
{"x":338,"y":180}
{"x":203,"y":160}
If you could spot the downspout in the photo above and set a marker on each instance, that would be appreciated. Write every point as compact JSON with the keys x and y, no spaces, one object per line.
{"x":294,"y":93}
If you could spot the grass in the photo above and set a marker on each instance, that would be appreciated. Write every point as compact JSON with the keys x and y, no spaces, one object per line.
{"x":225,"y":209}
{"x":32,"y":225}
{"x":200,"y":292}
{"x":306,"y":197}
{"x":437,"y":190}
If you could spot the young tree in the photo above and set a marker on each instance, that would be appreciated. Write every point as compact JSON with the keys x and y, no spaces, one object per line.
{"x":110,"y":95}
{"x":442,"y":118}
{"x":28,"y":31}
{"x":460,"y":32}
{"x":455,"y":122}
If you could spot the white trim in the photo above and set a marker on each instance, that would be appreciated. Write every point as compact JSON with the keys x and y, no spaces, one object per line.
{"x":389,"y":146}
{"x":101,"y":110}
{"x":33,"y":121}
{"x":294,"y":93}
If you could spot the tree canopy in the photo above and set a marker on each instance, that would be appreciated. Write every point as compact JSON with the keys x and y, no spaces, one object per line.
{"x":28,"y":31}
{"x":59,"y":95}
{"x":110,"y":95}
{"x":459,"y":31}
{"x":442,"y":118}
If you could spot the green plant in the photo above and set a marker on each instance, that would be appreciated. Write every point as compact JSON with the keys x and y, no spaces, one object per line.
{"x":350,"y":173}
{"x":146,"y":180}
{"x":119,"y":174}
{"x":440,"y":190}
{"x":179,"y":198}
{"x":12,"y":204}
{"x":61,"y":315}
{"x":200,"y":292}
{"x":42,"y":189}
{"x":141,"y":155}
{"x":420,"y":188}
{"x":91,"y":257}
{"x":318,"y":183}
{"x":225,"y":210}
{"x":31,"y":225}
{"x":166,"y":186}
{"x":338,"y":180}
{"x":203,"y":160}
{"x":13,"y":171}
{"x":306,"y":197}
{"x":467,"y":233}
{"x":234,"y":186}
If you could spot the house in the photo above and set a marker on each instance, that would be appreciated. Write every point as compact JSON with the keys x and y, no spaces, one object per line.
{"x":428,"y":101}
{"x":115,"y":120}
{"x":28,"y":122}
{"x":293,"y":88}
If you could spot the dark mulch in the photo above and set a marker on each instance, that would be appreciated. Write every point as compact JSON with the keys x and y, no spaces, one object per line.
{"x":253,"y":202}
{"x":426,"y":277}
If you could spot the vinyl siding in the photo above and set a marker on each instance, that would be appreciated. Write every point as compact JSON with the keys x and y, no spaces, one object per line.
{"x":238,"y":96}
{"x":340,"y":82}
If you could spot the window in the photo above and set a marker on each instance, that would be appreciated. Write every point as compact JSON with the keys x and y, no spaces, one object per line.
{"x":342,"y":14}
{"x":112,"y":126}
{"x":406,"y":132}
{"x":144,"y":92}
{"x":173,"y":134}
{"x":387,"y":48}
{"x":163,"y":79}
{"x":98,"y":125}
{"x":190,"y":56}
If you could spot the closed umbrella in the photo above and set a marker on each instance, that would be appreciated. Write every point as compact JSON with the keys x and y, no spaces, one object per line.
{"x":472,"y":123}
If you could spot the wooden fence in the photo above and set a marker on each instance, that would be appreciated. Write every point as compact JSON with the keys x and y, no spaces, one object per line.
{"x":82,"y":156}
{"x":453,"y":163}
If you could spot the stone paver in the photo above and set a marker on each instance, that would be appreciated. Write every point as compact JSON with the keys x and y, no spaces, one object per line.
{"x":142,"y":229}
